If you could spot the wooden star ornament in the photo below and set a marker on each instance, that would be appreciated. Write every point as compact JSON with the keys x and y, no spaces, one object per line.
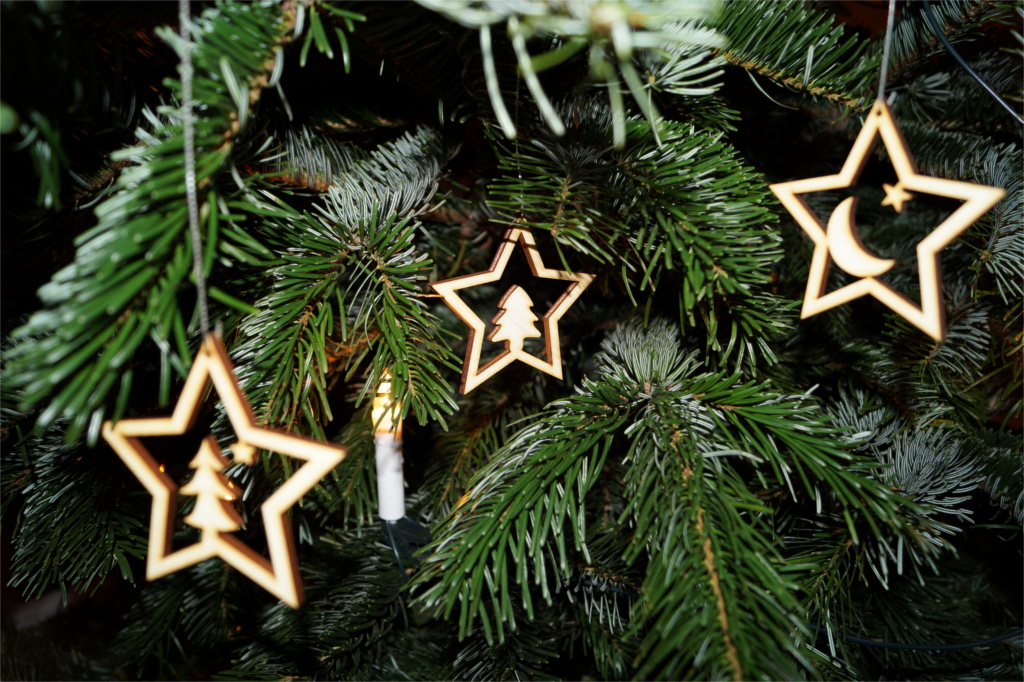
{"x":213,"y":514}
{"x":839,"y":242}
{"x":515,"y":321}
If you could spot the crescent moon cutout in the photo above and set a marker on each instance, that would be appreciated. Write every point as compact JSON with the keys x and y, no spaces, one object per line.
{"x":846,"y":248}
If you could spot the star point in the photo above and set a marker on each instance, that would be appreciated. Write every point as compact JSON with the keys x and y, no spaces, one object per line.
{"x":279,"y":574}
{"x":473,"y":375}
{"x":978,"y":199}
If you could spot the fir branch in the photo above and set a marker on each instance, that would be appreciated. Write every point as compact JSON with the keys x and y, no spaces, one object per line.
{"x":604,"y":592}
{"x":307,"y":159}
{"x":556,"y":463}
{"x":796,"y":45}
{"x":933,"y":466}
{"x":739,"y":601}
{"x":417,"y":653}
{"x":949,"y":99}
{"x":957,"y":603}
{"x":316,"y":34}
{"x":1001,"y":462}
{"x":352,"y":592}
{"x":123,"y":284}
{"x":352,"y":485}
{"x":945,"y":370}
{"x":214,"y":604}
{"x":463,"y":449}
{"x":350,"y":273}
{"x":400,"y":176}
{"x":914,"y":42}
{"x":689,"y":207}
{"x":76,"y":522}
{"x":974,"y":158}
{"x":148,"y":635}
{"x":521,"y":655}
{"x":682,"y":68}
{"x":679,"y":424}
{"x":482,"y":425}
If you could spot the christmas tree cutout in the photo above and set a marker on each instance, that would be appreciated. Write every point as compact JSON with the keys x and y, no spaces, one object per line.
{"x":214,"y":493}
{"x":515,"y":322}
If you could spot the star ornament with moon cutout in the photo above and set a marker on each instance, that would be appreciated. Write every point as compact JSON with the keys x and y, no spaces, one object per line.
{"x":516,"y":314}
{"x":213,"y":514}
{"x":839,"y":242}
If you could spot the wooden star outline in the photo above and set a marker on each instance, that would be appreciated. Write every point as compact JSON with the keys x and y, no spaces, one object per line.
{"x":472,"y":374}
{"x":279,"y":574}
{"x":978,"y":199}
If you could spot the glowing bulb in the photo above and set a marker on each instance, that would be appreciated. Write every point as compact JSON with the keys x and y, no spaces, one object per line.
{"x":384,"y":409}
{"x":387,"y":442}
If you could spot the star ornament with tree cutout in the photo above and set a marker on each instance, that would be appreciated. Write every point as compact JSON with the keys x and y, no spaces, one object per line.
{"x":213,"y":515}
{"x":839,"y":242}
{"x":515,"y":321}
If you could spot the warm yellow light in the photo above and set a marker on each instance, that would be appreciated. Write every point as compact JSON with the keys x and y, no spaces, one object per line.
{"x":384,"y":410}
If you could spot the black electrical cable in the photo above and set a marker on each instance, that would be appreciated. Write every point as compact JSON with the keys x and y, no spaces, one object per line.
{"x":394,"y":547}
{"x":960,"y":60}
{"x":926,"y":647}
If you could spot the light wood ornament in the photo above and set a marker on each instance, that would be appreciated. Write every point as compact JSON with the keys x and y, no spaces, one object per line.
{"x":515,"y":316}
{"x":279,"y":574}
{"x":839,"y":242}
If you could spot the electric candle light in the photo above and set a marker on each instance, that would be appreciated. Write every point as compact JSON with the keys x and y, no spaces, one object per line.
{"x":387,"y":440}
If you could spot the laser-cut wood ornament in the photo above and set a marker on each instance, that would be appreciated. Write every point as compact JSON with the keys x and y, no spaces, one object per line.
{"x":516,"y":319}
{"x":213,"y":514}
{"x":839,"y":242}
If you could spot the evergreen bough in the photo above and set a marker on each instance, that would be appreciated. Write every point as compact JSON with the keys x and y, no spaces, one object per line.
{"x":716,"y":490}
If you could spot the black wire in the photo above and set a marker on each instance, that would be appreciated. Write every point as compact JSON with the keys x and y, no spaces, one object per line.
{"x":394,"y":548}
{"x":960,"y":60}
{"x":925,"y":647}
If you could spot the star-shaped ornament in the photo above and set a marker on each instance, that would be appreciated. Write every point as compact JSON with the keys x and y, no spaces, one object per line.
{"x":840,"y":243}
{"x":896,"y":196}
{"x":515,"y":321}
{"x":213,"y":513}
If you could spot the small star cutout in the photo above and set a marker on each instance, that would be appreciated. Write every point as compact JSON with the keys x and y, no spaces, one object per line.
{"x":473,"y":375}
{"x":896,"y":196}
{"x":930,"y":316}
{"x":280,"y":574}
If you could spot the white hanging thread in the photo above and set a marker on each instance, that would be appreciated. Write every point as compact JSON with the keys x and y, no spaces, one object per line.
{"x":191,"y":198}
{"x":886,"y":44}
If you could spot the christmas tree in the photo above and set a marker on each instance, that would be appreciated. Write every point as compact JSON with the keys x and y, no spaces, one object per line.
{"x":515,"y":321}
{"x":213,"y":512}
{"x":715,"y":488}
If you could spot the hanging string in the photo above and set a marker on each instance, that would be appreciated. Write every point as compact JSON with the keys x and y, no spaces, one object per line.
{"x":886,"y":45}
{"x":519,"y":166}
{"x":188,"y":128}
{"x":960,"y":60}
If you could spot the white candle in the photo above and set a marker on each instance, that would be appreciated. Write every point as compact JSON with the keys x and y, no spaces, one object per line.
{"x":387,"y":440}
